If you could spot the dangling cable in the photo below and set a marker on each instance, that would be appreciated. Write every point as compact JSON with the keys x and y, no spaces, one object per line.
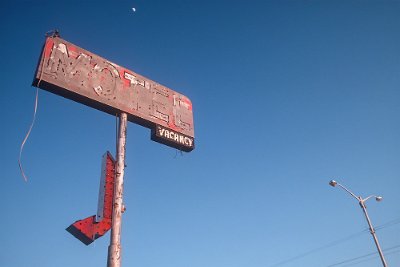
{"x":178,"y":151}
{"x":34,"y":113}
{"x":27,"y":135}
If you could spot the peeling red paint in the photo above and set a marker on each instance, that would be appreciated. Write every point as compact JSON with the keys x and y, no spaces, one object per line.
{"x":48,"y":47}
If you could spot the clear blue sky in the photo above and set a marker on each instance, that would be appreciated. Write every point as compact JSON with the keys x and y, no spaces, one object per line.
{"x":286,"y":96}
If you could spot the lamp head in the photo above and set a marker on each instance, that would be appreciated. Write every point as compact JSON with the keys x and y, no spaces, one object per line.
{"x":333,"y":183}
{"x":378,"y":198}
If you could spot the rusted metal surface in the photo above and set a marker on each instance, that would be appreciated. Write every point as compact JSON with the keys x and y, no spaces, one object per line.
{"x":72,"y":72}
{"x":114,"y":250}
{"x":93,"y":227}
{"x":106,"y":190}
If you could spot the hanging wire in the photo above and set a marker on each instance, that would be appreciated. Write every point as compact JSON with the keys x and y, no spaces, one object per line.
{"x":334,"y":243}
{"x":369,"y":259}
{"x":27,"y":135}
{"x":56,"y":33}
{"x":393,"y":222}
{"x":178,"y":151}
{"x":363,"y":257}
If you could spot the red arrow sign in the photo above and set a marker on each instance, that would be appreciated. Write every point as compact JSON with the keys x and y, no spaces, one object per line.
{"x":89,"y":229}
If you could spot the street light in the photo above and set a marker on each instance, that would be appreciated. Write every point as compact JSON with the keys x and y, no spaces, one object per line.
{"x":361,"y":201}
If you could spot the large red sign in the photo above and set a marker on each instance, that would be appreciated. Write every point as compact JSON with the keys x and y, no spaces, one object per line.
{"x":72,"y":72}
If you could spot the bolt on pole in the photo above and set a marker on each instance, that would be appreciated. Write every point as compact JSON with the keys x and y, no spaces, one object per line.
{"x":114,"y":250}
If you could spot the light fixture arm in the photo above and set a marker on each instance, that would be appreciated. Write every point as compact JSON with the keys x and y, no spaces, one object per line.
{"x":365,"y":199}
{"x":348,"y":191}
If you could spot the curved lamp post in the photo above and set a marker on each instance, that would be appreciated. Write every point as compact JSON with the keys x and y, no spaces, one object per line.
{"x":361,"y":201}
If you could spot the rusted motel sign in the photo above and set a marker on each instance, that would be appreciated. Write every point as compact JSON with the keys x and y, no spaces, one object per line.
{"x":72,"y":72}
{"x":77,"y":74}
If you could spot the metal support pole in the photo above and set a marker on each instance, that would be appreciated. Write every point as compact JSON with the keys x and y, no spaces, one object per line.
{"x":114,"y":250}
{"x":361,"y":201}
{"x":372,"y":230}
